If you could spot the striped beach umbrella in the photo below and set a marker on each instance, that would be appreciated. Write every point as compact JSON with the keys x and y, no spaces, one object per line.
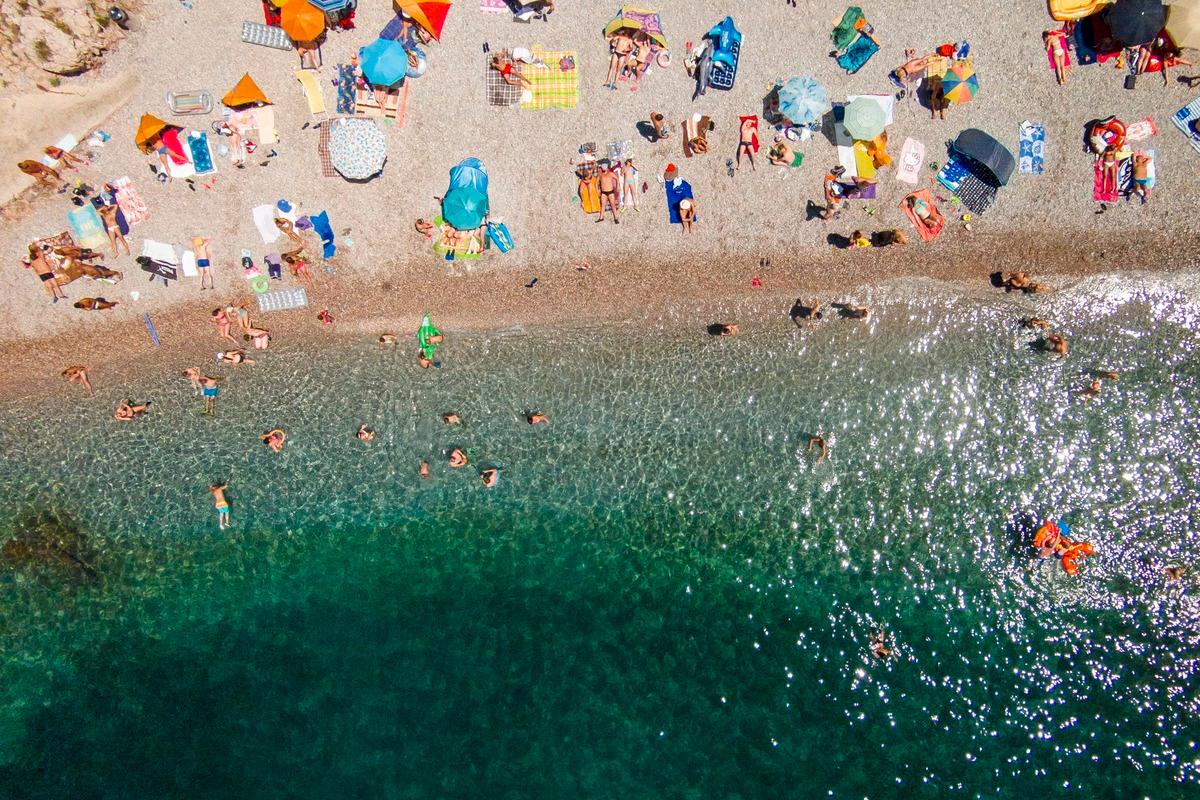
{"x":357,"y":148}
{"x":960,"y":83}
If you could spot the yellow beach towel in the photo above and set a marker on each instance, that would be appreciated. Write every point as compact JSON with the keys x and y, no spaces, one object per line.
{"x":312,"y":90}
{"x":551,"y":86}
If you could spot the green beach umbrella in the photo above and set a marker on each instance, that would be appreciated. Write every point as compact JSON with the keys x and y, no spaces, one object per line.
{"x":464,"y":208}
{"x":865,"y":119}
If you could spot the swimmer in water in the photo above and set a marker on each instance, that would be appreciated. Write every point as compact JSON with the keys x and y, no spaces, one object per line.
{"x":879,"y":647}
{"x":365,"y":434}
{"x":193,"y":375}
{"x":127,"y":411}
{"x":274,"y":439}
{"x":78,"y":374}
{"x":1175,"y":573}
{"x":423,"y":470}
{"x":1035,"y":322}
{"x":1057,"y":343}
{"x":490,"y":477}
{"x":221,"y":504}
{"x":458,"y":458}
{"x":450,"y":418}
{"x":1092,"y":391}
{"x":818,"y":441}
{"x":537,"y":418}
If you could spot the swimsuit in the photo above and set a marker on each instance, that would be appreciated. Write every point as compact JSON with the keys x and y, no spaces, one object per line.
{"x":208,"y":391}
{"x":202,"y":262}
{"x":46,"y":276}
{"x":222,"y":508}
{"x":1142,"y":181}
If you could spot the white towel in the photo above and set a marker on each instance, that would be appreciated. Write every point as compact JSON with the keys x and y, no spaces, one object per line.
{"x":189,"y":265}
{"x":911,"y":156}
{"x":67,"y":143}
{"x":160,"y":251}
{"x":264,"y":220}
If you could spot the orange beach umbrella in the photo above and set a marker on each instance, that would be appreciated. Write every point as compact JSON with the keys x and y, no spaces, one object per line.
{"x":245,"y":93}
{"x":429,"y":14}
{"x":302,"y":21}
{"x":148,"y":128}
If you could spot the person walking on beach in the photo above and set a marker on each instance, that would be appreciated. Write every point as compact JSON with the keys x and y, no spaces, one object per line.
{"x":208,"y":390}
{"x":221,"y":320}
{"x":221,"y":504}
{"x":78,"y":374}
{"x":202,"y":246}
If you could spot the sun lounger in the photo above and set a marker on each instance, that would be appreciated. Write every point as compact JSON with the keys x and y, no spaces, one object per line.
{"x":857,"y":54}
{"x":1032,"y":150}
{"x":499,"y":92}
{"x":265,"y":35}
{"x":188,"y":265}
{"x":551,"y":86}
{"x":202,"y":157}
{"x":196,"y":101}
{"x":130,"y":201}
{"x":283,"y":299}
{"x":66,"y":143}
{"x":912,"y":155}
{"x":86,"y":227}
{"x":1183,"y":121}
{"x":927,"y":234}
{"x":312,"y":90}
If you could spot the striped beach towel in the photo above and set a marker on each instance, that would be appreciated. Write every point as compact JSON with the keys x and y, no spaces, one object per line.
{"x":1183,"y":119}
{"x":130,"y":201}
{"x":553,"y":87}
{"x":499,"y":93}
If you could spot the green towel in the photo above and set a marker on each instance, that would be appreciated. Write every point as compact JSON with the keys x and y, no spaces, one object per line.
{"x":847,"y":29}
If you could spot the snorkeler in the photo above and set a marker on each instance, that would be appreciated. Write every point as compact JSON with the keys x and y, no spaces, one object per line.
{"x":221,"y":504}
{"x":458,"y":458}
{"x":818,"y":441}
{"x":537,"y":418}
{"x":1092,"y":391}
{"x":274,"y":439}
{"x":490,"y":477}
{"x":423,"y":470}
{"x":1035,"y":322}
{"x":1057,"y":343}
{"x":365,"y":434}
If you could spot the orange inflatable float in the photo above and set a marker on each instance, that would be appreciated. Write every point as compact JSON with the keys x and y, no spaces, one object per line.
{"x":1051,"y":537}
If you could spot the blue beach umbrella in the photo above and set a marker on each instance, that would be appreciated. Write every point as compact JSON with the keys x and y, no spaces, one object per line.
{"x":803,"y":100}
{"x":384,"y":62}
{"x":464,"y":208}
{"x":329,"y":6}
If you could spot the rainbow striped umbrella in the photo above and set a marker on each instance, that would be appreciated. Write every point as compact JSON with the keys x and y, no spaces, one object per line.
{"x":960,"y":83}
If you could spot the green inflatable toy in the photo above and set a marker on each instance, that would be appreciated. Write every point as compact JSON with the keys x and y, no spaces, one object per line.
{"x":424,"y":334}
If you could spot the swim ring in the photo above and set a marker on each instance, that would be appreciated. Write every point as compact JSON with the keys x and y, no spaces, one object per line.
{"x":260,"y":284}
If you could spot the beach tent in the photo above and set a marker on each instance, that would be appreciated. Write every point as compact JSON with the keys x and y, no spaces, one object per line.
{"x":630,"y":20}
{"x":149,"y":127}
{"x":245,"y":93}
{"x":1183,"y":23}
{"x":993,"y":158}
{"x":803,"y":100}
{"x":302,"y":21}
{"x":384,"y":62}
{"x":469,"y":173}
{"x":429,"y":14}
{"x":1135,"y":22}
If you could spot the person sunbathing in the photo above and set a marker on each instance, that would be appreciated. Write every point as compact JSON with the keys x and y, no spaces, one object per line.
{"x":95,"y":304}
{"x":1141,"y":175}
{"x":260,"y":338}
{"x":687,"y":214}
{"x":1109,"y":166}
{"x":610,"y":186}
{"x":925,"y":213}
{"x":892,"y":236}
{"x":234,"y":357}
{"x":910,"y":71}
{"x":503,"y":63}
{"x":127,"y":411}
{"x":629,"y":184}
{"x":1056,"y":47}
{"x":747,"y":141}
{"x":639,"y":60}
{"x":78,"y":374}
{"x":108,"y":215}
{"x":937,"y":99}
{"x":781,"y":153}
{"x":620,"y":47}
{"x":64,"y":158}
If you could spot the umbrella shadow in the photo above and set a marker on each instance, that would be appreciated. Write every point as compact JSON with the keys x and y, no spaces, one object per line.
{"x":770,"y":108}
{"x":829,"y":119}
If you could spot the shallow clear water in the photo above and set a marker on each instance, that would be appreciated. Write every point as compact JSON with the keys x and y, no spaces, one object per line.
{"x":663,"y":597}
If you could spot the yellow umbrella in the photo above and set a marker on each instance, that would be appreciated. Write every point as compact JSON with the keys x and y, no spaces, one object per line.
{"x":245,"y":93}
{"x":429,"y":14}
{"x":638,"y":19}
{"x":148,"y":128}
{"x":1183,"y":23}
{"x":302,"y":21}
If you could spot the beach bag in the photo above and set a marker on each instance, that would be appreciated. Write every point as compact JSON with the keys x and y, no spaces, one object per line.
{"x":499,"y":236}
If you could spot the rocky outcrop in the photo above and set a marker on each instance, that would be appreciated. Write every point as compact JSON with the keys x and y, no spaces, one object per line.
{"x":60,"y":37}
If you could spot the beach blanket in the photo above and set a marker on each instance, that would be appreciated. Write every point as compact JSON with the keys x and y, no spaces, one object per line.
{"x":493,"y":6}
{"x":188,"y":265}
{"x":551,"y":86}
{"x":86,"y":227}
{"x":1183,"y":121}
{"x":312,"y":91}
{"x":158,"y":258}
{"x":975,"y":194}
{"x":1140,"y":130}
{"x":130,"y":201}
{"x":283,"y":299}
{"x":264,"y":220}
{"x":499,"y":92}
{"x":66,"y":143}
{"x":1032,"y":148}
{"x":327,"y":169}
{"x":911,"y":157}
{"x":202,"y":157}
{"x":926,"y":233}
{"x":857,"y":54}
{"x":346,"y":80}
{"x":321,"y":226}
{"x":677,"y":190}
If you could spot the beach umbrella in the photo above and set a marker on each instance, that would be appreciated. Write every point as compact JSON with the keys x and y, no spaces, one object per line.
{"x":632,"y":19}
{"x":384,"y":62}
{"x":245,"y":93}
{"x":464,"y":208}
{"x":864,"y":119}
{"x":149,"y":127}
{"x":429,"y":14}
{"x":330,"y":6}
{"x":1183,"y":23}
{"x":1135,"y":22}
{"x":803,"y":100}
{"x":960,"y":83}
{"x":302,"y":21}
{"x":357,"y":148}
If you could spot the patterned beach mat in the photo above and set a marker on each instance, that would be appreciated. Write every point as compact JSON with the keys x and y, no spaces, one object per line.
{"x":265,"y":35}
{"x":283,"y":299}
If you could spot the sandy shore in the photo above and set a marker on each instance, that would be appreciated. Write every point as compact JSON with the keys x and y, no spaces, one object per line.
{"x":388,"y":275}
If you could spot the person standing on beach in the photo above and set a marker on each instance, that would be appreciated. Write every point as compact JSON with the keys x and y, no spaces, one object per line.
{"x":221,"y":320}
{"x":610,"y":187}
{"x":208,"y":390}
{"x":40,"y":264}
{"x":202,"y":245}
{"x":221,"y":504}
{"x":78,"y":374}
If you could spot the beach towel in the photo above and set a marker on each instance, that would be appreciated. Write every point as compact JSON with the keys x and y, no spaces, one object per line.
{"x":100,"y":201}
{"x":264,"y":123}
{"x":176,"y":153}
{"x":460,"y":253}
{"x":86,"y":227}
{"x":264,"y":220}
{"x":346,"y":80}
{"x":589,"y":194}
{"x":499,"y":237}
{"x":1031,"y":151}
{"x":1140,"y":130}
{"x":327,"y":169}
{"x":499,"y":92}
{"x":130,"y":201}
{"x":180,"y":170}
{"x":160,"y":252}
{"x":188,"y":265}
{"x":283,"y":299}
{"x":493,"y":6}
{"x":312,"y":91}
{"x":321,"y":226}
{"x":677,"y":190}
{"x":858,"y":54}
{"x":551,"y":86}
{"x":1183,"y":121}
{"x":1111,"y":194}
{"x":202,"y":157}
{"x":911,"y":157}
{"x":365,"y":104}
{"x":927,"y":234}
{"x":1066,"y":51}
{"x":67,"y":143}
{"x":845,"y":31}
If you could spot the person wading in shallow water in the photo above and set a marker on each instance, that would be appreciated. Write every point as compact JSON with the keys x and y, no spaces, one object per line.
{"x":221,"y":504}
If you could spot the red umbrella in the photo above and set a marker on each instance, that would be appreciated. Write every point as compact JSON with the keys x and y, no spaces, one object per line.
{"x":429,"y":14}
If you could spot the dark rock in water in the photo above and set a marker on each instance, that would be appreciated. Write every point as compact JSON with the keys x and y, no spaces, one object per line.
{"x":46,"y":539}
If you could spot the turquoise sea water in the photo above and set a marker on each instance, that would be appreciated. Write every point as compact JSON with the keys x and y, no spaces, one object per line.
{"x":662,"y":598}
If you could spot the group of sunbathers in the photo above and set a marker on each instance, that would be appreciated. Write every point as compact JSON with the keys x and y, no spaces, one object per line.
{"x":629,"y":57}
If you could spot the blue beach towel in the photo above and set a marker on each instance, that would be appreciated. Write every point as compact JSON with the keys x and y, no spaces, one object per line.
{"x":86,"y":227}
{"x":345,"y":89}
{"x":1032,"y":150}
{"x":675,"y":193}
{"x":857,"y":54}
{"x":320,"y":223}
{"x":1183,"y":121}
{"x":202,"y":158}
